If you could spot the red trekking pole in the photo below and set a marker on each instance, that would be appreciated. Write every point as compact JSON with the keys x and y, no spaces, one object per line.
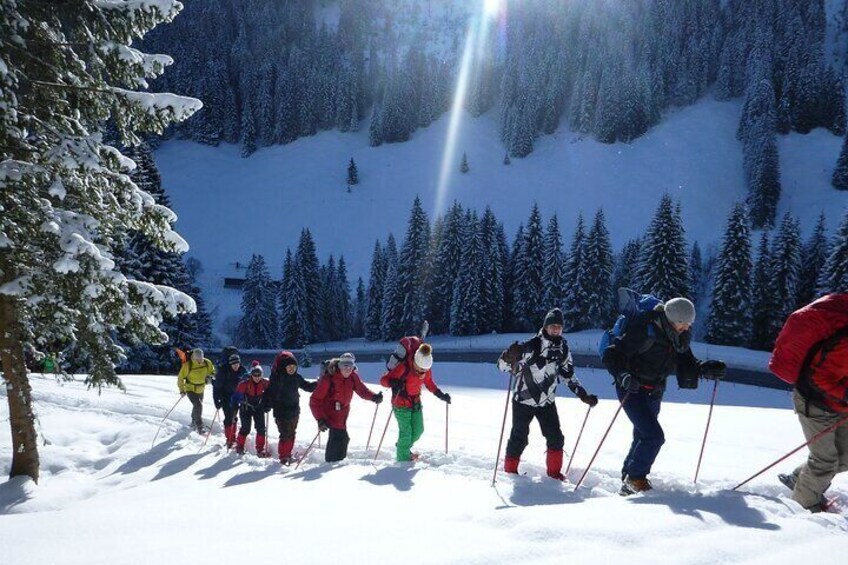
{"x":379,"y":445}
{"x":446,"y":427}
{"x":576,"y":443}
{"x":503,"y":427}
{"x":812,"y":440}
{"x":308,"y":449}
{"x":592,"y":460}
{"x":209,"y":433}
{"x":165,"y":417}
{"x":371,"y":431}
{"x":706,"y":431}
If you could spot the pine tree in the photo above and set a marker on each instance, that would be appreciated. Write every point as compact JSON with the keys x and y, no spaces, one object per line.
{"x":345,"y":313}
{"x":813,"y":257}
{"x":762,"y":302}
{"x":576,"y":290}
{"x":663,"y":268}
{"x":463,"y":167}
{"x":446,"y":269}
{"x":66,"y":201}
{"x":506,"y":159}
{"x":731,"y":296}
{"x":412,"y":265}
{"x":840,"y":173}
{"x":258,"y":328}
{"x":306,"y":258}
{"x":627,"y":265}
{"x":374,"y":311}
{"x":465,"y":304}
{"x":492,"y":274}
{"x":360,"y":309}
{"x":597,"y":267}
{"x":352,"y":173}
{"x":528,"y":286}
{"x":329,"y":306}
{"x":293,"y":305}
{"x":515,"y":260}
{"x":834,"y":275}
{"x":553,"y":269}
{"x":785,"y":273}
{"x":696,"y":273}
{"x":392,"y":306}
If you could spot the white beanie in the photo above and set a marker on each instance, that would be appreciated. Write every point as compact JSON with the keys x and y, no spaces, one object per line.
{"x":424,"y":356}
{"x":256,"y":368}
{"x":347,"y":360}
{"x":680,"y":311}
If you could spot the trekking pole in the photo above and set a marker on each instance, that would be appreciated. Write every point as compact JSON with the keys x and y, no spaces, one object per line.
{"x":163,"y":420}
{"x":592,"y":460}
{"x":386,"y":427}
{"x":209,"y":433}
{"x":503,"y":426}
{"x":576,"y":443}
{"x":812,"y":440}
{"x":308,"y":449}
{"x":706,"y":431}
{"x":371,"y":431}
{"x":446,"y":427}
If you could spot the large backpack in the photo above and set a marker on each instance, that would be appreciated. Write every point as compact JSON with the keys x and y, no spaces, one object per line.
{"x":405,"y":349}
{"x":631,"y":304}
{"x":813,"y":338}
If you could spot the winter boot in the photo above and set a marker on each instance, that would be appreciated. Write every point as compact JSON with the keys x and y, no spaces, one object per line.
{"x":554,"y":462}
{"x":260,"y":446}
{"x":240,"y":444}
{"x":790,"y":480}
{"x":633,"y":485}
{"x":284,"y":450}
{"x":511,"y":465}
{"x":230,"y":434}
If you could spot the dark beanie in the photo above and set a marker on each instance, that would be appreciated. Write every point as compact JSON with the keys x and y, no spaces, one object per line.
{"x":554,"y":317}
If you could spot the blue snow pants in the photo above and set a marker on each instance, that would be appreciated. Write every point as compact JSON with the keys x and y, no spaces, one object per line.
{"x":642,"y":409}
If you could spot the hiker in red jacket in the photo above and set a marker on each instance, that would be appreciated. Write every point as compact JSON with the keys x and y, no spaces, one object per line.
{"x":406,"y":378}
{"x":330,"y":403}
{"x":252,"y":404}
{"x":811,"y":352}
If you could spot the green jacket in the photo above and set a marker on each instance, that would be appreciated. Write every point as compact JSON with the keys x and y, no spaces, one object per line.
{"x":192,"y":377}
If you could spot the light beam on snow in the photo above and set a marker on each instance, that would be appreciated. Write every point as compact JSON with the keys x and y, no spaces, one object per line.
{"x":479,"y":27}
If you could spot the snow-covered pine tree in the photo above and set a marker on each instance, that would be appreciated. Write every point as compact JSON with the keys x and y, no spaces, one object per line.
{"x":360,"y":308}
{"x":763,"y":303}
{"x":463,"y":167}
{"x":697,"y":274}
{"x":445,"y":269}
{"x":663,"y":267}
{"x":65,"y":199}
{"x":506,"y":159}
{"x":345,"y":314}
{"x":528,"y":287}
{"x":597,"y":273}
{"x":466,"y":310}
{"x":492,"y":273}
{"x":329,"y":306}
{"x":258,"y":327}
{"x":785,"y":273}
{"x":813,"y":257}
{"x":576,"y":291}
{"x":306,"y":258}
{"x":839,"y":180}
{"x":515,"y":259}
{"x":392,"y":307}
{"x":731,"y":297}
{"x":553,"y":268}
{"x":412,"y":289}
{"x":352,"y":173}
{"x":293,"y":305}
{"x":834,"y":275}
{"x":627,"y":265}
{"x":374,"y":310}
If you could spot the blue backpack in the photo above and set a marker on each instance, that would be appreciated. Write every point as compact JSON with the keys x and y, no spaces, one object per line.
{"x":630,"y":304}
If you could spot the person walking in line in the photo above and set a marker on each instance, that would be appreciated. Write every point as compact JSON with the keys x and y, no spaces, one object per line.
{"x":250,"y":399}
{"x":284,"y":398}
{"x":223,"y":387}
{"x":330,"y":402}
{"x":654,"y":344}
{"x":411,"y":369}
{"x":191,"y":381}
{"x":539,"y":364}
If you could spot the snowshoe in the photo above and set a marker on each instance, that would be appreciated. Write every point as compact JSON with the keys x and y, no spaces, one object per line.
{"x":633,"y":485}
{"x":824,"y":505}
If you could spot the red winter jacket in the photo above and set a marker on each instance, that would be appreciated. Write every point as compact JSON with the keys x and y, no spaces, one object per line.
{"x":251,"y":394}
{"x":332,"y":396}
{"x":406,"y":384}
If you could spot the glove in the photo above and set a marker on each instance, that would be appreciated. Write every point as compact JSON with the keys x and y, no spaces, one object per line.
{"x":322,"y":425}
{"x":397,"y":386}
{"x":182,"y":394}
{"x":628,"y":383}
{"x":712,"y":369}
{"x":218,"y":400}
{"x":443,"y":396}
{"x":586,"y":398}
{"x":513,"y":353}
{"x":378,"y":398}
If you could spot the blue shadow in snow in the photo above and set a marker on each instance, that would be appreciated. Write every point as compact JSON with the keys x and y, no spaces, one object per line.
{"x":14,"y":492}
{"x":400,"y":477}
{"x":251,"y":476}
{"x":148,"y":458}
{"x":525,"y":492}
{"x":729,"y":506}
{"x":221,"y":465}
{"x":177,"y":465}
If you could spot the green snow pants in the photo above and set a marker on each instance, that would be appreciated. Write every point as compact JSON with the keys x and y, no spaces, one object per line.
{"x":410,"y":427}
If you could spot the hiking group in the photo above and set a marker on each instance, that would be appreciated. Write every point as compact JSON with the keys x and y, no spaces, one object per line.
{"x":649,"y":342}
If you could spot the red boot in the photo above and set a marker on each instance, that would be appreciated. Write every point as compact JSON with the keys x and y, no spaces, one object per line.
{"x":260,"y":446}
{"x":240,"y":443}
{"x":511,"y":465}
{"x":284,"y":450}
{"x":230,"y":434}
{"x":554,"y":461}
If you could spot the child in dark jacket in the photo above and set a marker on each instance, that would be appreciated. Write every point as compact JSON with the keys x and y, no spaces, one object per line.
{"x":250,"y":398}
{"x":284,"y":398}
{"x":330,"y":403}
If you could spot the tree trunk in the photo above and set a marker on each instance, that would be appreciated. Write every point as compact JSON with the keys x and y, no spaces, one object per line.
{"x":21,"y":417}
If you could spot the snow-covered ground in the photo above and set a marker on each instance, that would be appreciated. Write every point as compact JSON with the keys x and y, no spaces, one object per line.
{"x":230,"y":207}
{"x":107,"y":497}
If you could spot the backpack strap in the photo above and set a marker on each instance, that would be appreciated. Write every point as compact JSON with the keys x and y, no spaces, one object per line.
{"x":824,"y":346}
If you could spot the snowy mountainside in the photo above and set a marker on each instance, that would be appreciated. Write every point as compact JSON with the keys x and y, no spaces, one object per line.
{"x":230,"y":207}
{"x":99,"y":468}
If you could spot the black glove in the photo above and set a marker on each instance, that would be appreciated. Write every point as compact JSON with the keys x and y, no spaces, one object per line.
{"x":378,"y":398}
{"x":586,"y":398}
{"x":628,"y":383}
{"x":322,"y":425}
{"x":512,"y":354}
{"x":712,"y":369}
{"x":397,"y":386}
{"x":443,"y":396}
{"x":218,"y":400}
